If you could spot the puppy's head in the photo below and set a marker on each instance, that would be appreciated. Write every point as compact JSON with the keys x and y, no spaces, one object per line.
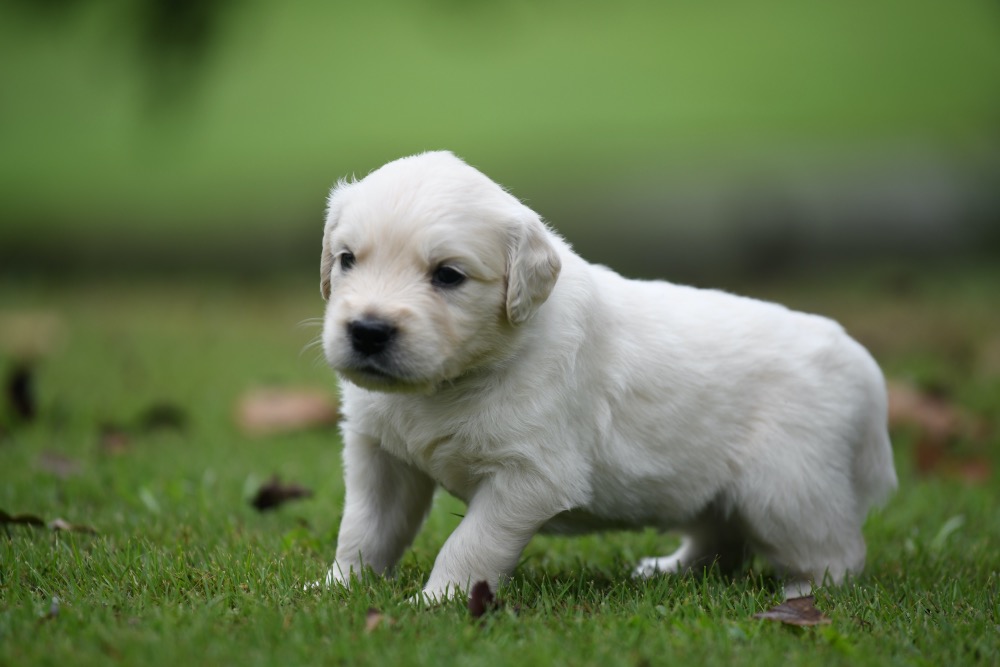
{"x":428,"y":267}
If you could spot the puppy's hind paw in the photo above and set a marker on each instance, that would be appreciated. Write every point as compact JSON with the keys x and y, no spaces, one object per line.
{"x":653,"y":567}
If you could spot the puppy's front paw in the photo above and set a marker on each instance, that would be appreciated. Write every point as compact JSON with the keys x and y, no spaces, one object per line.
{"x":418,"y":600}
{"x":335,"y":576}
{"x":433,"y":596}
{"x":652,"y":567}
{"x":797,"y":588}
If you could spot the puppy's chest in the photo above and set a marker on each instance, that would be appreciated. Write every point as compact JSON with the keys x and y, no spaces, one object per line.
{"x":446,"y":450}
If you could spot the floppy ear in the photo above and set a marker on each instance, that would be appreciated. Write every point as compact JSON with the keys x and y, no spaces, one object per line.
{"x":325,"y":265}
{"x":532,"y":268}
{"x":334,"y":205}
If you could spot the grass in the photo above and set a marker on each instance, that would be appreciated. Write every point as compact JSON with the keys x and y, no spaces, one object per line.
{"x":183,"y":571}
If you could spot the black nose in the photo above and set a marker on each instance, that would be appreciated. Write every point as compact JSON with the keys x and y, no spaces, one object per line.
{"x":370,"y":335}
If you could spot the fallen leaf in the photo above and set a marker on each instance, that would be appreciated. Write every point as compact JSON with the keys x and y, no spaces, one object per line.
{"x":29,"y":335}
{"x":117,"y":438}
{"x":940,"y":423}
{"x":61,"y":525}
{"x":275,"y":493}
{"x":937,"y":419}
{"x":23,"y":519}
{"x":482,"y":600}
{"x":976,"y":470}
{"x":795,"y":611}
{"x":20,"y":391}
{"x":163,"y":416}
{"x":268,"y":411}
{"x":939,"y":460}
{"x":114,"y":438}
{"x":36,"y":521}
{"x":373,"y":619}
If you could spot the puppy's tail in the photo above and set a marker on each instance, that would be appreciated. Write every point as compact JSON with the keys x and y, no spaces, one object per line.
{"x":874,"y":470}
{"x":875,"y":473}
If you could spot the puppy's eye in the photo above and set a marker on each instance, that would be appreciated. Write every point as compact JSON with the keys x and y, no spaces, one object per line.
{"x":447,"y":276}
{"x":346,"y":260}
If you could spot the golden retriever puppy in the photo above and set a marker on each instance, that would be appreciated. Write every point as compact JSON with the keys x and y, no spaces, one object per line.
{"x":478,"y":353}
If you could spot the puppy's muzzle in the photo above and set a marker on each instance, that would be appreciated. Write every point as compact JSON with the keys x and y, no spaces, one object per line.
{"x":370,"y":335}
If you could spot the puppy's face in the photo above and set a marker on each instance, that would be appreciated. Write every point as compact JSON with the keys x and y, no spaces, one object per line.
{"x":428,"y":266}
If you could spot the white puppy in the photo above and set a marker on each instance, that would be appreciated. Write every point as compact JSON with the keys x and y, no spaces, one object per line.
{"x":478,"y":352}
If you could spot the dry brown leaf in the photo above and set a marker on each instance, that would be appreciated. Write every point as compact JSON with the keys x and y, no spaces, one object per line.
{"x":163,"y":416}
{"x":977,"y":470}
{"x":374,"y":619}
{"x":937,"y":419}
{"x":931,"y":458}
{"x":939,"y":423}
{"x":275,"y":493}
{"x":20,"y":392}
{"x":23,"y":519}
{"x":37,"y":522}
{"x":118,"y":438}
{"x":482,"y":600}
{"x":61,"y":525}
{"x":795,"y":611}
{"x":268,"y":411}
{"x":114,"y":438}
{"x":29,"y":335}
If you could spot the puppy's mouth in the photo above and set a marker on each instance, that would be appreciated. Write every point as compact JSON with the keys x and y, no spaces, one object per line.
{"x":370,"y":374}
{"x":372,"y":371}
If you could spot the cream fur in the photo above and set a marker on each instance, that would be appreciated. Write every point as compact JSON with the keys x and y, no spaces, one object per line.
{"x":554,"y":395}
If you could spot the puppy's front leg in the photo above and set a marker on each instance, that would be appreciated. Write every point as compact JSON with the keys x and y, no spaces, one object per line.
{"x":501,"y":519}
{"x":385,"y":505}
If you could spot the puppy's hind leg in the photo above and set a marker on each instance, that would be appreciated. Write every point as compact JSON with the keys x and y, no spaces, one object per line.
{"x":809,"y":540}
{"x":682,"y":560}
{"x":805,"y":566}
{"x":710,"y":542}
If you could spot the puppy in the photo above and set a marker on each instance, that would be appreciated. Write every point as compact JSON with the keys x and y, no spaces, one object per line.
{"x":479,"y":353}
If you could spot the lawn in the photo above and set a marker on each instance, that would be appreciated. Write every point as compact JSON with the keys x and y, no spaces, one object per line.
{"x":135,"y":439}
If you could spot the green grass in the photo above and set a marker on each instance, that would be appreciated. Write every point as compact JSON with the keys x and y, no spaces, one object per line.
{"x":184,"y":571}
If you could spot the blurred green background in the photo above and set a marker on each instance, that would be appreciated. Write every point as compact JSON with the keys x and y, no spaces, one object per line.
{"x":677,"y":138}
